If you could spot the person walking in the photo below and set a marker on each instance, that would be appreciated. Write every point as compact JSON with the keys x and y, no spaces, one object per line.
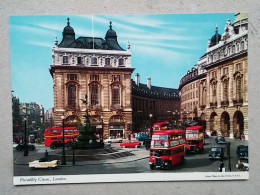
{"x":221,"y":166}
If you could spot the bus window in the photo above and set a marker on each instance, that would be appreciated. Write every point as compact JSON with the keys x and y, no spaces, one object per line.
{"x":163,"y":137}
{"x":163,"y":152}
{"x":153,"y":152}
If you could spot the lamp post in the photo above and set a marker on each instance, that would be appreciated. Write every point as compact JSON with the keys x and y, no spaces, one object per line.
{"x":73,"y":154}
{"x":102,"y":135}
{"x":63,"y":159}
{"x":25,"y":139}
{"x":151,"y":130}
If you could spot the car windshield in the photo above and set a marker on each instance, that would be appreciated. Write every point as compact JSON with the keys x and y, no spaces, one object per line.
{"x":215,"y":149}
{"x":244,"y":149}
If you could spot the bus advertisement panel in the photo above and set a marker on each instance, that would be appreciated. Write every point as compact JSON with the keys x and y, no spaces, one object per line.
{"x":194,"y":139}
{"x":167,"y":148}
{"x":55,"y":134}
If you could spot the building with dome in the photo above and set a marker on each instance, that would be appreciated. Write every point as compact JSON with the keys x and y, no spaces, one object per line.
{"x":215,"y":91}
{"x":96,"y":68}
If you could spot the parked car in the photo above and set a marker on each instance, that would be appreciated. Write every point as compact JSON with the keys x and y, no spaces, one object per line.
{"x":56,"y":144}
{"x":14,"y":145}
{"x":220,"y":140}
{"x":242,"y":166}
{"x":43,"y":163}
{"x":147,"y":143}
{"x":216,"y":152}
{"x":130,"y":144}
{"x":21,"y":147}
{"x":113,"y":139}
{"x":141,"y":136}
{"x":242,"y":152}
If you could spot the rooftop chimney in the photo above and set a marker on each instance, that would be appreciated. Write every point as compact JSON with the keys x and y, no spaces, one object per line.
{"x":137,"y":79}
{"x":149,"y":82}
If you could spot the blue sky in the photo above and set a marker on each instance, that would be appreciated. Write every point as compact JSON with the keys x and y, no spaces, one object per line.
{"x":164,"y":47}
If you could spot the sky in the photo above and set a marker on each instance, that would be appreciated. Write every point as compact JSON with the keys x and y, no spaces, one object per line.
{"x":163,"y":47}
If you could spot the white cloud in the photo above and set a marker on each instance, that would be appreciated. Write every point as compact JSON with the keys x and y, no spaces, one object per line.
{"x":42,"y":44}
{"x":32,"y":30}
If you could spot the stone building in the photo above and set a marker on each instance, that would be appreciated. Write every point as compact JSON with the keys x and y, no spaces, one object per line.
{"x":215,"y":90}
{"x":98,"y":69}
{"x":153,"y":104}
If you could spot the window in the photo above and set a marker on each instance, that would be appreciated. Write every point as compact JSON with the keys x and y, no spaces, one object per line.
{"x":225,"y":70}
{"x":79,"y":59}
{"x":238,"y":67}
{"x":225,"y":90}
{"x":233,"y":49}
{"x":94,"y":95}
{"x":65,"y":60}
{"x":239,"y":88}
{"x":115,"y":77}
{"x":72,"y":77}
{"x":94,"y":77}
{"x":72,"y":97}
{"x":121,"y":62}
{"x":115,"y":95}
{"x":93,"y":61}
{"x":214,"y":74}
{"x":214,"y":93}
{"x":242,"y":45}
{"x":107,"y":61}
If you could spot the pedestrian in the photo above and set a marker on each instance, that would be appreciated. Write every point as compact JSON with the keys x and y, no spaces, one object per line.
{"x":242,"y":136}
{"x":221,"y":166}
{"x":46,"y":155}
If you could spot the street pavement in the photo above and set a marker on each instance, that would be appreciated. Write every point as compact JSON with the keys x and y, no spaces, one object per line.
{"x":117,"y":155}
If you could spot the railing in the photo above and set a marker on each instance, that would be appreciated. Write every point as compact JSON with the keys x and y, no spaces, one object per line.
{"x":225,"y":103}
{"x":238,"y":102}
{"x":202,"y":107}
{"x":213,"y":104}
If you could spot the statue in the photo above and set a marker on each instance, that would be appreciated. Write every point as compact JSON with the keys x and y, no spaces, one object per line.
{"x":86,"y":131}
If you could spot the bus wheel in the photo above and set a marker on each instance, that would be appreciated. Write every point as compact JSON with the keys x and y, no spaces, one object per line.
{"x":168,"y":166}
{"x":152,"y":166}
{"x":182,"y":160}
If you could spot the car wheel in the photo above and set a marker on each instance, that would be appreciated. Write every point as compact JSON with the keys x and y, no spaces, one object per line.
{"x":152,"y":166}
{"x":120,"y":141}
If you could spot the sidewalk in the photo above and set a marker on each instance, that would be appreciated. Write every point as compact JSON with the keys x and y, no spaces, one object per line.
{"x":121,"y":155}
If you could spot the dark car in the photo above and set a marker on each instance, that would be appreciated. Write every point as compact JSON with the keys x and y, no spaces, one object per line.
{"x":147,"y":143}
{"x":216,"y":152}
{"x":242,"y":152}
{"x":56,"y":144}
{"x":220,"y":140}
{"x":141,"y":137}
{"x":21,"y":147}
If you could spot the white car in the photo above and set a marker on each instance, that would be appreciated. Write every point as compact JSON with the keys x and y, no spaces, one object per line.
{"x":113,"y":140}
{"x":44,"y":164}
{"x":14,"y":145}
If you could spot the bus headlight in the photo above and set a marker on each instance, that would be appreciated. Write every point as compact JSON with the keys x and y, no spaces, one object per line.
{"x":166,"y":144}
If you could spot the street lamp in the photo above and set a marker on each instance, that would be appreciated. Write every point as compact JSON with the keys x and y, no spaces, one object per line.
{"x":151,"y":130}
{"x":63,"y":159}
{"x":102,"y":135}
{"x":25,"y":139}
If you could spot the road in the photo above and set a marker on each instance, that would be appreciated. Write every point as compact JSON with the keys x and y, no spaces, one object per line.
{"x":193,"y":163}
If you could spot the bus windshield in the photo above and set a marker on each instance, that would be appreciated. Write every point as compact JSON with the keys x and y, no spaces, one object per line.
{"x":160,"y":153}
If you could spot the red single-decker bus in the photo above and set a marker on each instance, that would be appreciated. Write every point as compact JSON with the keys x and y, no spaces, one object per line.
{"x":55,"y":134}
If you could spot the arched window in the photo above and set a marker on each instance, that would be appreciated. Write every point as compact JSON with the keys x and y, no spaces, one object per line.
{"x":93,"y":61}
{"x":115,"y":96}
{"x":121,"y":62}
{"x":214,"y":92}
{"x":72,"y":97}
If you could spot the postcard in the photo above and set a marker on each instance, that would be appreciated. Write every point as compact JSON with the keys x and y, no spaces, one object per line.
{"x":128,"y":98}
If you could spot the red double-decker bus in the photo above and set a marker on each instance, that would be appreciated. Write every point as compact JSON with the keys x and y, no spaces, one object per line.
{"x":55,"y":134}
{"x":194,"y":139}
{"x":160,"y":126}
{"x":167,"y":148}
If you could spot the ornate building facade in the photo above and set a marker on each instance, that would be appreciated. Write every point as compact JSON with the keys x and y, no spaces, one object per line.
{"x":98,"y":69}
{"x":153,"y":104}
{"x":215,"y":90}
